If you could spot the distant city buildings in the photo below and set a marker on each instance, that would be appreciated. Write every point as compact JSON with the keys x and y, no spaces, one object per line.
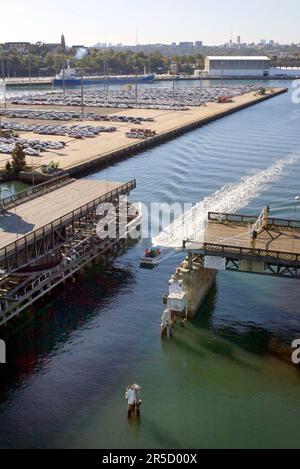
{"x":22,"y":47}
{"x":186,"y":45}
{"x":55,"y":47}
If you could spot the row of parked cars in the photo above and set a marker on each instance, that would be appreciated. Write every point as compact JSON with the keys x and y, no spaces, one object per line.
{"x":75,"y":131}
{"x":54,"y":115}
{"x":140,"y":133}
{"x":149,"y":97}
{"x":30,"y":147}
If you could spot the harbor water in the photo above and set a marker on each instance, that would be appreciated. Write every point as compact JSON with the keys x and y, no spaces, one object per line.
{"x":216,"y":384}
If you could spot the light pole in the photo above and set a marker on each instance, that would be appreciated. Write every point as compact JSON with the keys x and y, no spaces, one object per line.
{"x":296,"y":200}
{"x":173,"y":73}
{"x":29,"y":70}
{"x":64,"y":81}
{"x":136,"y":85}
{"x":4,"y":84}
{"x":82,"y":91}
{"x":105,"y":61}
{"x":104,"y":72}
{"x":222,"y":81}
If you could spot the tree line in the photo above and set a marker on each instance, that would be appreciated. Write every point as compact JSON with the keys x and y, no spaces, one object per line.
{"x":39,"y":61}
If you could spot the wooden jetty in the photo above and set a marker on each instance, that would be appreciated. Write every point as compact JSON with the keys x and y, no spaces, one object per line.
{"x":50,"y":233}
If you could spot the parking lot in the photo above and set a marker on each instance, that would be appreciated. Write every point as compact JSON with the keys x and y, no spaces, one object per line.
{"x":78,"y":151}
{"x":124,"y":98}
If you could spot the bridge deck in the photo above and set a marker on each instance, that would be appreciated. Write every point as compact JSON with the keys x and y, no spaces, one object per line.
{"x":273,"y":239}
{"x":228,"y":236}
{"x":36,"y":213}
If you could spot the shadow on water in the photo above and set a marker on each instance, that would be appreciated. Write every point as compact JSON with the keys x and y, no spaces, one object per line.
{"x":248,"y":337}
{"x":161,"y":436}
{"x":12,"y":223}
{"x":40,"y":332}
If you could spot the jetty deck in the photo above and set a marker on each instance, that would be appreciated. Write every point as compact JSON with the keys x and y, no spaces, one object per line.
{"x":46,"y":237}
{"x":41,"y":211}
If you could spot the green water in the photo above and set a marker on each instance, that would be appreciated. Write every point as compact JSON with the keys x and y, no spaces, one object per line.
{"x":200,"y":391}
{"x":11,"y":187}
{"x":216,"y":383}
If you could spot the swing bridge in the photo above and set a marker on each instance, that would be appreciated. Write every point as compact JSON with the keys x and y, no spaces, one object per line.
{"x":243,"y":243}
{"x":238,"y":243}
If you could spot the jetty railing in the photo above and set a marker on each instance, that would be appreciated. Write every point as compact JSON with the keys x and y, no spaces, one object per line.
{"x":34,"y":191}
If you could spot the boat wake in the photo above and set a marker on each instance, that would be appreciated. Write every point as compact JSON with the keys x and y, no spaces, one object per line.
{"x":229,"y":199}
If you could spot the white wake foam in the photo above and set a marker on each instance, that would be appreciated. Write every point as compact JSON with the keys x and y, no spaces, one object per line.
{"x":229,"y":199}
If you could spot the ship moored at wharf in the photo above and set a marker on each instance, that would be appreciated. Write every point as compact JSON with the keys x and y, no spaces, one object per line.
{"x":43,"y":242}
{"x":69,"y":77}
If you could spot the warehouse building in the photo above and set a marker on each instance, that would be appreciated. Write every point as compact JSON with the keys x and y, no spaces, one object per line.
{"x":238,"y":66}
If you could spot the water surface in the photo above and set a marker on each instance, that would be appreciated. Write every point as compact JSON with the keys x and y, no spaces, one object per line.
{"x":215,"y":384}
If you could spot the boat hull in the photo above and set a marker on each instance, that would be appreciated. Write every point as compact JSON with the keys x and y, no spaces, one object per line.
{"x":102,"y":81}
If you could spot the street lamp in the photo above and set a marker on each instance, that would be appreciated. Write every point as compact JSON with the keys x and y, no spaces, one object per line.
{"x":173,"y":65}
{"x":64,"y":80}
{"x":136,"y":84}
{"x":29,"y":70}
{"x":105,"y":67}
{"x":4,"y":83}
{"x":81,"y":86}
{"x":296,"y":200}
{"x":222,"y":80}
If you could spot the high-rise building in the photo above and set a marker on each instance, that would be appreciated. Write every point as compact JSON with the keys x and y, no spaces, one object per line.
{"x":198,"y":44}
{"x":238,"y":41}
{"x":186,"y":44}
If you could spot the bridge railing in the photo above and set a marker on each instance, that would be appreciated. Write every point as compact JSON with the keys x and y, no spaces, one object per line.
{"x":240,"y":253}
{"x":251,"y":219}
{"x":34,"y":245}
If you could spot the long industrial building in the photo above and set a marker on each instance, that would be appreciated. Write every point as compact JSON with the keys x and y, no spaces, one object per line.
{"x":238,"y":66}
{"x":245,"y":67}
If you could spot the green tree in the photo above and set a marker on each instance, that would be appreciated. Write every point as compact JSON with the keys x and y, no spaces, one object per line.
{"x":18,"y":159}
{"x":8,"y":167}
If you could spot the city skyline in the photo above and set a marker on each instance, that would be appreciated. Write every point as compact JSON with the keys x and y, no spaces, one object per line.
{"x":131,"y":23}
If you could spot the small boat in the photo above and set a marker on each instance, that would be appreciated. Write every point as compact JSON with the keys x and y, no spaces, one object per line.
{"x":150,"y":259}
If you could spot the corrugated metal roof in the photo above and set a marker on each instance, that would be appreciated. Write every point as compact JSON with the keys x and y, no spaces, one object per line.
{"x":237,"y":57}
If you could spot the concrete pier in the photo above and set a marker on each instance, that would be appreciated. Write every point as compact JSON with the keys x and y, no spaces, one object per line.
{"x":188,"y":289}
{"x":197,"y":282}
{"x":82,"y":156}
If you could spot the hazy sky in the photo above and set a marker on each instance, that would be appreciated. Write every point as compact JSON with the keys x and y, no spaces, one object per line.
{"x":87,"y":21}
